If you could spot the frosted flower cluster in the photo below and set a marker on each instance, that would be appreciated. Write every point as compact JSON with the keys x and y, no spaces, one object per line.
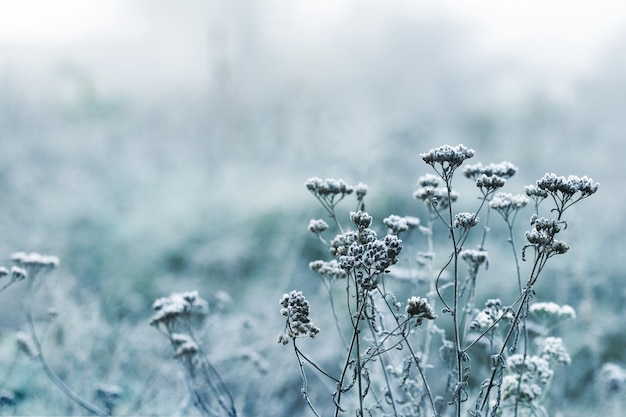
{"x":28,"y":265}
{"x":465,"y":220}
{"x":33,"y":262}
{"x":317,"y":226}
{"x":178,"y":306}
{"x":397,"y":224}
{"x":507,"y":204}
{"x":528,"y":392}
{"x":330,"y":270}
{"x":419,"y":308}
{"x":552,"y":312}
{"x":184,"y":346}
{"x":562,"y":189}
{"x":535,"y":375}
{"x":554,"y":351}
{"x":363,"y":250}
{"x":489,"y":315}
{"x":361,"y":219}
{"x":430,"y":192}
{"x":449,"y":158}
{"x":568,"y":186}
{"x":489,"y":183}
{"x":503,"y":170}
{"x":361,"y":191}
{"x":328,"y":187}
{"x":474,"y":257}
{"x":541,"y":236}
{"x":296,"y":308}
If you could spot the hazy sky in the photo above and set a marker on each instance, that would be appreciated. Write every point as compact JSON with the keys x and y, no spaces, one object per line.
{"x":556,"y":39}
{"x":531,"y":27}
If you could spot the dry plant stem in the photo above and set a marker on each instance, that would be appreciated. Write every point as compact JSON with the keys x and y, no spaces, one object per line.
{"x":305,"y":392}
{"x":431,"y":290}
{"x":330,"y":209}
{"x":455,"y":324}
{"x":313,"y":364}
{"x":49,"y":372}
{"x":539,"y":263}
{"x":211,"y":374}
{"x":383,"y":365}
{"x":417,"y":361}
{"x":353,"y":343}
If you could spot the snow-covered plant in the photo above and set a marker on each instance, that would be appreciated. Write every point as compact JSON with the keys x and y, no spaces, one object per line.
{"x":174,"y":317}
{"x":387,"y":345}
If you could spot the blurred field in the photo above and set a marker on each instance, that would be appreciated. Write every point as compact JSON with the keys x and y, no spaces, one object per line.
{"x":151,"y":165}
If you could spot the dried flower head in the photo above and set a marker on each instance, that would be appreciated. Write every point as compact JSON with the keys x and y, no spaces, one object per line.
{"x":329,"y":186}
{"x":564,"y":191}
{"x":360,"y":190}
{"x":330,"y":270}
{"x":178,"y":306}
{"x":526,"y":392}
{"x":489,"y":184}
{"x":296,"y":308}
{"x":34,"y":262}
{"x":474,"y":257}
{"x":465,"y":220}
{"x":492,"y":313}
{"x":361,"y":219}
{"x":18,"y":274}
{"x":542,"y":236}
{"x":554,"y":351}
{"x":437,"y":197}
{"x":184,"y":346}
{"x":419,"y":308}
{"x":552,"y":313}
{"x":503,"y":170}
{"x":507,"y":204}
{"x":317,"y":226}
{"x":429,"y":180}
{"x":397,"y":224}
{"x":448,"y":158}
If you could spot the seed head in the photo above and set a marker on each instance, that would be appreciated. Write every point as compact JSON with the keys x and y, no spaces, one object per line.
{"x":419,"y":308}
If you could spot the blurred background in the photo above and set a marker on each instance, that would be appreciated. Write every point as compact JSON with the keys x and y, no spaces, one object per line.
{"x":159,"y":146}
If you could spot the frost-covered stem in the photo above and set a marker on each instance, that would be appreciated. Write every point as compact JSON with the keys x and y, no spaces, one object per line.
{"x":455,"y":305}
{"x":539,"y":263}
{"x":305,"y":392}
{"x":44,"y":363}
{"x":354,"y":342}
{"x":515,"y":255}
{"x":431,"y":290}
{"x":382,"y":364}
{"x":486,"y":227}
{"x":313,"y":364}
{"x":429,"y":394}
{"x":210,"y":373}
{"x":360,"y":307}
{"x":330,"y":209}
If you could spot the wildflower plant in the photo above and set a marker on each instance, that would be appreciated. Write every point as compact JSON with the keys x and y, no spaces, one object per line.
{"x":30,"y":268}
{"x":174,"y":316}
{"x":388,"y":365}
